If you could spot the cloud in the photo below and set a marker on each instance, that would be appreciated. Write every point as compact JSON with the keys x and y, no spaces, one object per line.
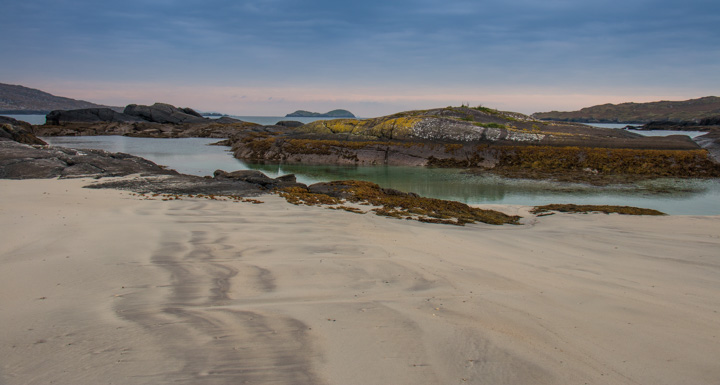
{"x":403,"y":47}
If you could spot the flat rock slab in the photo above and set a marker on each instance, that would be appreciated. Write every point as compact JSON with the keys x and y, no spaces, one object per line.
{"x":182,"y":185}
{"x":22,"y":161}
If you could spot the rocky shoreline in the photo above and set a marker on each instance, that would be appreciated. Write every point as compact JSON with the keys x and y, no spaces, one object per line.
{"x":479,"y":139}
{"x":24,"y":156}
{"x":482,"y":140}
{"x":40,"y":161}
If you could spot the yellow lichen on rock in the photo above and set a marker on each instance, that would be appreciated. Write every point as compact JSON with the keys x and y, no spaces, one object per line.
{"x":394,"y":128}
{"x":397,"y":128}
{"x":336,"y":126}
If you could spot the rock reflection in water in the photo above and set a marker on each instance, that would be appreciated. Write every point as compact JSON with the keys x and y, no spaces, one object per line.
{"x":194,"y":156}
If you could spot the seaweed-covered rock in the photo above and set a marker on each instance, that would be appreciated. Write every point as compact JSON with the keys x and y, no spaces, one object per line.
{"x":393,"y":203}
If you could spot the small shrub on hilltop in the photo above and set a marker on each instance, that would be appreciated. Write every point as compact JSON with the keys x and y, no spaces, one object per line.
{"x":487,"y":110}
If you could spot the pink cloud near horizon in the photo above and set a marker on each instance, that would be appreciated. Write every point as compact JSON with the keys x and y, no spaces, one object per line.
{"x":364,"y":102}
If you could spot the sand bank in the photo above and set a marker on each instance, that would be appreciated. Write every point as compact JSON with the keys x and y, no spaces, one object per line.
{"x":99,"y":286}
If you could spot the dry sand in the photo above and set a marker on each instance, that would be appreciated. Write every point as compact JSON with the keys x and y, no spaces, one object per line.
{"x":100,"y":287}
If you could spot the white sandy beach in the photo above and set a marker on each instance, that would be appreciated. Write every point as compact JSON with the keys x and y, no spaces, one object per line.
{"x":102,"y":287}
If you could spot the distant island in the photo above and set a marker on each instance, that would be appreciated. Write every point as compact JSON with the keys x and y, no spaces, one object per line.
{"x":21,"y":100}
{"x":673,"y":111}
{"x":329,"y":114}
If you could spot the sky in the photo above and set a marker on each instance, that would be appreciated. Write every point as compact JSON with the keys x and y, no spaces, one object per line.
{"x":372,"y":57}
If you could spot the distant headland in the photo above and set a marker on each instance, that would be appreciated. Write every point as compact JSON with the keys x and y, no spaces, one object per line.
{"x":673,"y":111}
{"x":329,"y":114}
{"x":19,"y":100}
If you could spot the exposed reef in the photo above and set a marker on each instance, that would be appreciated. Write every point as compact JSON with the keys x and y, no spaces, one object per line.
{"x":89,"y":115}
{"x":706,"y":124}
{"x":571,"y":208}
{"x":157,"y":121}
{"x":479,"y":138}
{"x":23,"y":161}
{"x":15,"y":130}
{"x":392,"y":203}
{"x":710,"y":141}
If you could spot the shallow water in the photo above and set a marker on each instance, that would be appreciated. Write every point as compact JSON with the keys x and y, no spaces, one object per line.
{"x":194,"y":156}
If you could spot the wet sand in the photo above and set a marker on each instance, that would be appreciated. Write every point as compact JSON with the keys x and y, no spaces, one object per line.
{"x":101,"y":287}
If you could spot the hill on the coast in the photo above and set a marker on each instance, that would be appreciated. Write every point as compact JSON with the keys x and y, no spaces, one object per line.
{"x":686,"y":110}
{"x":329,"y":114}
{"x":15,"y":99}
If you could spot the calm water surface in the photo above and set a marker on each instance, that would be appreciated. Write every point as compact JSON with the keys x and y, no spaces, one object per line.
{"x":195,"y":156}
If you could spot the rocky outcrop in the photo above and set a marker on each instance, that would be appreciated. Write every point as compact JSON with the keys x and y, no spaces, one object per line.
{"x":164,"y":113}
{"x":706,"y":124}
{"x":89,"y":115}
{"x":15,"y":130}
{"x":156,"y":121}
{"x":476,"y":138}
{"x":289,"y":123}
{"x":418,"y":138}
{"x":227,"y":120}
{"x":21,"y":161}
{"x":258,"y":178}
{"x":711,"y":143}
{"x":206,"y":129}
{"x":392,"y":203}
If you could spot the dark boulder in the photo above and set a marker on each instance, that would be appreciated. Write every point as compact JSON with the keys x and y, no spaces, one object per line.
{"x":17,"y":123}
{"x":258,"y":178}
{"x":685,"y":125}
{"x":289,"y":123}
{"x":89,"y":115}
{"x":711,"y":121}
{"x":17,"y":131}
{"x":190,"y":111}
{"x":289,"y":178}
{"x":164,"y":113}
{"x":227,"y":120}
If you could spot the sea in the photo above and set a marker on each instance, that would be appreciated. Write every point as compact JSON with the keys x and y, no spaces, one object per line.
{"x":197,"y":156}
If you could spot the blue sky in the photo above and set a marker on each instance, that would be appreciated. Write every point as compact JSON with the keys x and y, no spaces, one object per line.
{"x":271,"y":57}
